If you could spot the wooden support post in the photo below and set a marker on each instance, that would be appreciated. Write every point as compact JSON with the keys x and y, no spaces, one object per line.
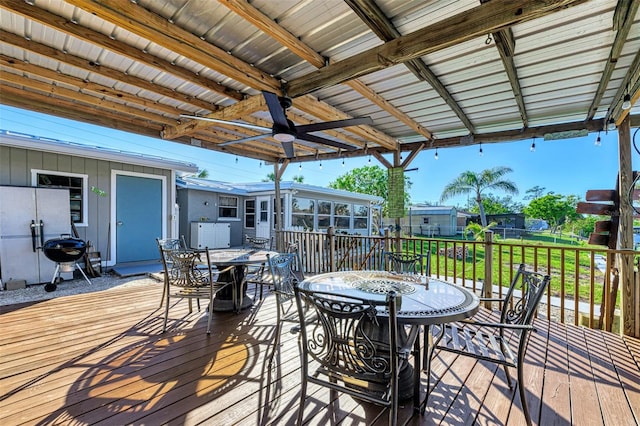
{"x":630,"y":311}
{"x":331,"y":240}
{"x":487,"y":286}
{"x":278,"y":171}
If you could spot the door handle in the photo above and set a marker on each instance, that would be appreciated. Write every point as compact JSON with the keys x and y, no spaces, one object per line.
{"x":119,"y":223}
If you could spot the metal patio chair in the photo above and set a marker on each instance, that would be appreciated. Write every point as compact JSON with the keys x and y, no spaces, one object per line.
{"x":283,"y":279}
{"x":503,"y":342}
{"x":183,"y":279}
{"x":170,"y":244}
{"x":343,"y":348}
{"x":407,"y":263}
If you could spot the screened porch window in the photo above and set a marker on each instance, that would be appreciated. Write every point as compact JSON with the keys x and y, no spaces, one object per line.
{"x":342,"y":215}
{"x":303,"y":210}
{"x":360,"y":216}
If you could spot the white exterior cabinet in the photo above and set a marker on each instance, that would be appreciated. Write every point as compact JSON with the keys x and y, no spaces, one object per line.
{"x":211,"y":235}
{"x":29,"y":217}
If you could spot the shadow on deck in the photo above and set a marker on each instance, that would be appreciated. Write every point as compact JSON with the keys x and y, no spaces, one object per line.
{"x":99,"y":358}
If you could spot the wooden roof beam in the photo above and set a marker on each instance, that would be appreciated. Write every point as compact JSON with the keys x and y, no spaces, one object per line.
{"x":487,"y":18}
{"x":291,"y":42}
{"x":630,"y":85}
{"x":232,"y":112}
{"x":369,"y":12}
{"x":87,"y":100}
{"x":142,"y":22}
{"x":506,"y":45}
{"x":72,"y":110}
{"x":97,"y":90}
{"x":54,"y":21}
{"x":99,"y":69}
{"x":323,"y":110}
{"x":622,"y":21}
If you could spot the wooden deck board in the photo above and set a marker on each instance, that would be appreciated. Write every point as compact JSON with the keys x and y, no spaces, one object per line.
{"x":556,"y":408}
{"x":99,"y":358}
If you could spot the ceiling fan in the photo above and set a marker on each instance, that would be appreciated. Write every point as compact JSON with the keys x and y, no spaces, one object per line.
{"x":285,"y":131}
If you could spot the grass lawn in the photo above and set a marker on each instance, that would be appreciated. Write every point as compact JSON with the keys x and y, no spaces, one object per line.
{"x":568,"y":261}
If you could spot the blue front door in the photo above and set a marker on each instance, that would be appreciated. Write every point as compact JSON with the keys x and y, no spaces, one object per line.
{"x":138,"y":218}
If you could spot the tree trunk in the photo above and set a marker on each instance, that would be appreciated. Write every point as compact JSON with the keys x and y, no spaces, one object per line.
{"x":483,"y":217}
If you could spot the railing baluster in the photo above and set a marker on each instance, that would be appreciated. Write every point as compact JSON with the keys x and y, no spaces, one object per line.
{"x":363,"y":252}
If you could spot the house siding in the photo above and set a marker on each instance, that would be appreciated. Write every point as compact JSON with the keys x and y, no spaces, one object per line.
{"x":16,"y":165}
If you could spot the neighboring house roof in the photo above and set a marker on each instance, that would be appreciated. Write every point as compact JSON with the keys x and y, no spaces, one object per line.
{"x":254,"y":188}
{"x":21,"y":140}
{"x":432,"y":210}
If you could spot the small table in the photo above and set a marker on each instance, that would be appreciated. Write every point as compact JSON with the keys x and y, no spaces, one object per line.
{"x":423,"y":301}
{"x":239,"y":258}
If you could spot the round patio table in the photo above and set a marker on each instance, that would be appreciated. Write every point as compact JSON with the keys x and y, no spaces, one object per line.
{"x":422,"y":301}
{"x":240,"y":258}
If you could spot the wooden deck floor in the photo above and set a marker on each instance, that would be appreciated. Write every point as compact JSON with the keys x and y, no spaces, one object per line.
{"x":99,"y":358}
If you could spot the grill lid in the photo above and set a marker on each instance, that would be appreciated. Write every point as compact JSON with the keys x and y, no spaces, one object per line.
{"x":63,"y":250}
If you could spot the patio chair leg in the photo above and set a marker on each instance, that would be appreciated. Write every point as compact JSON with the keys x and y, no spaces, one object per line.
{"x":428,"y":355}
{"x":523,"y":400}
{"x":166,"y":314}
{"x":276,"y":343}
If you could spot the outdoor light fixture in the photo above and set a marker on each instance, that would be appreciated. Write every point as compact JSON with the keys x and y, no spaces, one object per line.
{"x":300,"y":166}
{"x":626,"y":104}
{"x":611,"y":125}
{"x":533,"y":145}
{"x":343,"y":162}
{"x":236,"y":159}
{"x":436,"y":155}
{"x":598,"y":140}
{"x":369,"y":161}
{"x":480,"y":153}
{"x":321,"y":165}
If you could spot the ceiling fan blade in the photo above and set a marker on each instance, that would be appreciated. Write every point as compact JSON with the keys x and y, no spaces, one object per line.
{"x":323,"y":141}
{"x":230,"y":123}
{"x":275,"y":109}
{"x":250,"y":138}
{"x":288,"y":149}
{"x":315,"y":127}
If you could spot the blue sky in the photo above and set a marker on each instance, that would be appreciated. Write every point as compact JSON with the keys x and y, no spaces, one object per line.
{"x":570,"y":166}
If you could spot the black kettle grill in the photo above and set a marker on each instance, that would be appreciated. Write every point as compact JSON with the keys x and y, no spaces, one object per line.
{"x":65,"y":251}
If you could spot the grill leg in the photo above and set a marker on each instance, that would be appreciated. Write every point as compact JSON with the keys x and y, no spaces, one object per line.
{"x":83,"y":274}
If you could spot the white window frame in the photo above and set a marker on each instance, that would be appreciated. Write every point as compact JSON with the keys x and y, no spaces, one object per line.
{"x":85,"y":190}
{"x":246,"y":213}
{"x":237,"y":207}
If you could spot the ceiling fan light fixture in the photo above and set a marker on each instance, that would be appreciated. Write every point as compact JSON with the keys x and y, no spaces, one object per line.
{"x":284,"y":137}
{"x":626,"y":103}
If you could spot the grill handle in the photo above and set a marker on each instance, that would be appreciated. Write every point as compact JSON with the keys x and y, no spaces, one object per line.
{"x":34,"y":234}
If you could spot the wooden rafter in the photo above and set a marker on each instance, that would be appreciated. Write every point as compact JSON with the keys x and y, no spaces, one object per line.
{"x":97,"y":90}
{"x":40,"y":15}
{"x":142,"y":22}
{"x":293,"y":43}
{"x":87,"y":100}
{"x":233,"y":112}
{"x":622,"y":20}
{"x":506,"y":45}
{"x":27,"y":99}
{"x":630,"y":85}
{"x":369,"y":12}
{"x":90,"y":66}
{"x":487,"y":18}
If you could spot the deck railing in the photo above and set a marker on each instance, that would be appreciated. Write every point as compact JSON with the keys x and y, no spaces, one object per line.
{"x":580,"y":293}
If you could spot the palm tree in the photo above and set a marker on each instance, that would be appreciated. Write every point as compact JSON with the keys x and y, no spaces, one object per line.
{"x":473,"y":183}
